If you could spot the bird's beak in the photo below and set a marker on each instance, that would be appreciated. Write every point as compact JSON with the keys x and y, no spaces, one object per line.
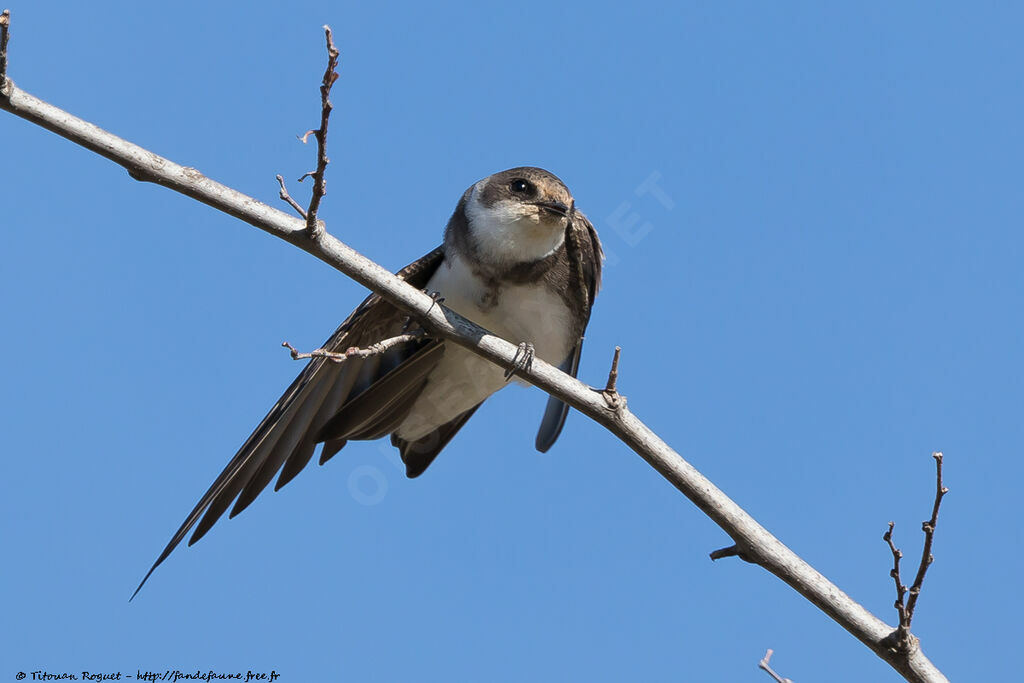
{"x":557,"y":208}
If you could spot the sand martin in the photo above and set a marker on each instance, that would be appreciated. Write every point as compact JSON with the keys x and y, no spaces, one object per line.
{"x":504,"y":265}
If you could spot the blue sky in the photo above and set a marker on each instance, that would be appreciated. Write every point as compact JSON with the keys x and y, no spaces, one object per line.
{"x":824,"y":288}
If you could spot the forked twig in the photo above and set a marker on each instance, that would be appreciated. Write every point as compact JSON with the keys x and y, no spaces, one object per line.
{"x":901,"y":639}
{"x":313,"y":226}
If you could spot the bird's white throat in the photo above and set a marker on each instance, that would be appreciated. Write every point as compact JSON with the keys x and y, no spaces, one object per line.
{"x":509,"y":232}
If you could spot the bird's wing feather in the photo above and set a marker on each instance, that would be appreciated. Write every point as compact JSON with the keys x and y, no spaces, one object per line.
{"x":417,"y":455}
{"x":378,"y":410}
{"x":288,"y":434}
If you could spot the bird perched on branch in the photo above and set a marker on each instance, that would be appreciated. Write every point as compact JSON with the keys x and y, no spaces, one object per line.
{"x":518,"y":259}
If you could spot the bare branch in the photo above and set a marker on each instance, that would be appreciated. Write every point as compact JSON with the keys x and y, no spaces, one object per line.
{"x":283,"y":194}
{"x":758,"y":544}
{"x":356,"y":352}
{"x":5,"y":35}
{"x":763,"y":664}
{"x":315,"y":228}
{"x":901,"y":639}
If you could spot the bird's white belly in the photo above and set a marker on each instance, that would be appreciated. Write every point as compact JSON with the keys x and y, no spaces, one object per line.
{"x":522,"y":313}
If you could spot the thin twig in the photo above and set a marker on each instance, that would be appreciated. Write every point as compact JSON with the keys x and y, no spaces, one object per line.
{"x":610,"y":393}
{"x":314,"y":229}
{"x":731,"y":551}
{"x":763,"y":664}
{"x":283,"y":194}
{"x":613,"y":374}
{"x":5,"y":34}
{"x":901,"y":590}
{"x":929,"y":535}
{"x":356,"y":352}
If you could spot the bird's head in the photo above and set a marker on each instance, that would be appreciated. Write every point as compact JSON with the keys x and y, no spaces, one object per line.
{"x":518,"y":215}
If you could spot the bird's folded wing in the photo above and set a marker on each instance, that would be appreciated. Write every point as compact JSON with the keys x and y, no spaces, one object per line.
{"x":556,"y":411}
{"x":591,"y":255}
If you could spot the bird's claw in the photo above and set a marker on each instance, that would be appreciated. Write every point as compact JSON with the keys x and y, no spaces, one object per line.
{"x":522,"y":360}
{"x":437,"y":299}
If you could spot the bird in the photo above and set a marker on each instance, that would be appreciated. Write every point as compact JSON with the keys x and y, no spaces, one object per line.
{"x":518,"y":259}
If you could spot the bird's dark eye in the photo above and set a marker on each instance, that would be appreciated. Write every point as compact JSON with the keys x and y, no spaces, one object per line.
{"x":523,"y":187}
